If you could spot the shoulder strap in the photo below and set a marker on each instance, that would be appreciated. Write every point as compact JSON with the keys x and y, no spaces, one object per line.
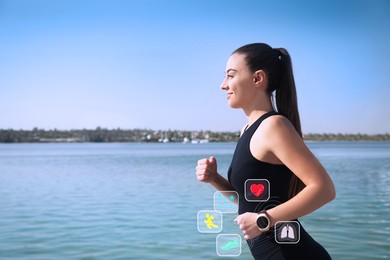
{"x":266,"y":115}
{"x":256,"y":124}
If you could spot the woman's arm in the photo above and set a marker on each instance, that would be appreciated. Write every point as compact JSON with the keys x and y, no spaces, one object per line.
{"x":206,"y":171}
{"x":285,"y":143}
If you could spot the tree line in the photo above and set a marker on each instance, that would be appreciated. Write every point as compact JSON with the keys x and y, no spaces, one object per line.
{"x":112,"y":135}
{"x":347,"y":137}
{"x":146,"y":135}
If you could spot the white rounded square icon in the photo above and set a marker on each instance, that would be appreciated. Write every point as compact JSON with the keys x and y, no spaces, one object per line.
{"x":226,"y":201}
{"x":287,"y":232}
{"x":209,"y":221}
{"x":228,"y":245}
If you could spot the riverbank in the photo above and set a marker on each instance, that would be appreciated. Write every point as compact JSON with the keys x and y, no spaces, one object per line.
{"x":146,"y":135}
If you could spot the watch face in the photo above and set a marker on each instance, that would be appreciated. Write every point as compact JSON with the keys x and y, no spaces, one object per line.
{"x":262,"y":222}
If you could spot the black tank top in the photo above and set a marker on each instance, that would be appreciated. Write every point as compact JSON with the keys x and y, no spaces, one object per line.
{"x":245,"y":166}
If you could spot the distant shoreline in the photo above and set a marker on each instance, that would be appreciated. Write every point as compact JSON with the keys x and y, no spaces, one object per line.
{"x":146,"y":135}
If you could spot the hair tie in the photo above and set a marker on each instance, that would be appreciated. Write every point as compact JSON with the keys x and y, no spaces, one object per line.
{"x":279,"y":53}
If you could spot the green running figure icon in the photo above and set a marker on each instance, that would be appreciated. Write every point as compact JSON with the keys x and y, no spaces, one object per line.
{"x":209,"y":221}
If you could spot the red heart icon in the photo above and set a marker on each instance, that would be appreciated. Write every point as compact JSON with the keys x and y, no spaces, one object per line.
{"x":257,"y":189}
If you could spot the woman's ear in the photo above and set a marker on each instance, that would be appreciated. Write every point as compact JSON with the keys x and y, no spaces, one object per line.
{"x":259,"y":77}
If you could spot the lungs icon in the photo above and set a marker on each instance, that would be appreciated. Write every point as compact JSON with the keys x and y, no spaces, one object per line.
{"x":287,"y":232}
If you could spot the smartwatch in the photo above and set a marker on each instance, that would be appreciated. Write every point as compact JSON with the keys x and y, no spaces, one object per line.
{"x":263,"y":222}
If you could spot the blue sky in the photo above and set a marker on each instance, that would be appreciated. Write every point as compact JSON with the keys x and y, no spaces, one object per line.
{"x":159,"y":64}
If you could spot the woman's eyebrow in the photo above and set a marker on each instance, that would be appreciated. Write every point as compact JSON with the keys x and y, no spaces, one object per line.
{"x":231,"y":70}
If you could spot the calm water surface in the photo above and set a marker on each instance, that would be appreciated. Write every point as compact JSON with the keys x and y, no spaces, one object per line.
{"x":140,"y":201}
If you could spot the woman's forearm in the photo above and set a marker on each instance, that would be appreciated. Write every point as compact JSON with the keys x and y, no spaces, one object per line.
{"x":309,"y":199}
{"x":222,"y":184}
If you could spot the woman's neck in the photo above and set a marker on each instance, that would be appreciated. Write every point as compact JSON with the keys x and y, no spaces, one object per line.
{"x":254,"y":115}
{"x":258,"y":109}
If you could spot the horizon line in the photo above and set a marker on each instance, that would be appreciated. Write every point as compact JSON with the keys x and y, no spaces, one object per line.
{"x":177,"y":130}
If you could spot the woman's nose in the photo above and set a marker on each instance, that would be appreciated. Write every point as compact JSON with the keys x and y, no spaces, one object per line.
{"x":224,"y":85}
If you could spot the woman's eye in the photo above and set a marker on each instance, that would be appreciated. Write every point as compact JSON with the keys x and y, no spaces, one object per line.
{"x":229,"y":76}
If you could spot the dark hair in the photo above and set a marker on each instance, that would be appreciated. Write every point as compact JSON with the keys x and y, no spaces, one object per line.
{"x":276,"y":63}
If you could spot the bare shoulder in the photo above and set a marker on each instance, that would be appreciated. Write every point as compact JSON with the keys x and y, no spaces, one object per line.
{"x":272,"y":135}
{"x":276,"y":123}
{"x":278,"y":130}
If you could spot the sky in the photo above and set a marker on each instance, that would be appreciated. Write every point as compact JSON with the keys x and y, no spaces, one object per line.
{"x":158,"y":64}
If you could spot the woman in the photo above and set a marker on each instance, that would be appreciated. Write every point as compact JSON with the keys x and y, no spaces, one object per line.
{"x":259,"y":80}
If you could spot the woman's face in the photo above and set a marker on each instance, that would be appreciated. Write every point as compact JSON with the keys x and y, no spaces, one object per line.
{"x":238,"y":82}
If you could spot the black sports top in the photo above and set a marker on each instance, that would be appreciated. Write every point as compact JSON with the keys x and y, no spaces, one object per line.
{"x":245,"y":166}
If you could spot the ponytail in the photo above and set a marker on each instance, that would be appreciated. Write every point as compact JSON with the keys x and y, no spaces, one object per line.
{"x":287,"y":105}
{"x":281,"y":87}
{"x":285,"y":93}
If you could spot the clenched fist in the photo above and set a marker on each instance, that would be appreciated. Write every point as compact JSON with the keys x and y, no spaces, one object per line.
{"x":206,"y":170}
{"x":247,"y":223}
